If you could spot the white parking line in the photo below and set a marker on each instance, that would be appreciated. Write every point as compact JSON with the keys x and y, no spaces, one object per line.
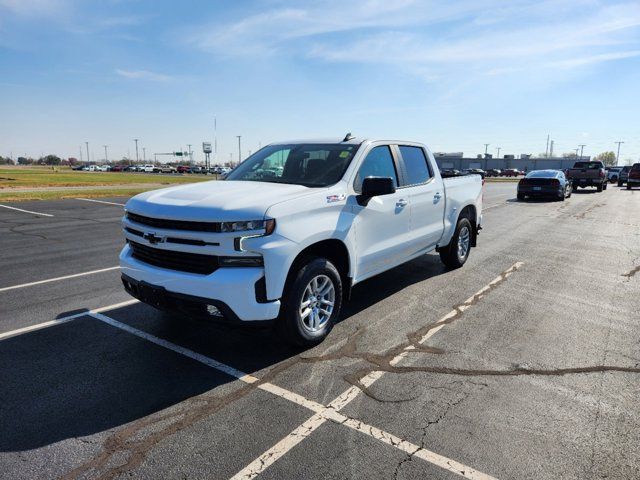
{"x":101,"y":201}
{"x":281,"y":448}
{"x":27,"y":211}
{"x":62,"y":320}
{"x":322,"y":413}
{"x":66,"y":277}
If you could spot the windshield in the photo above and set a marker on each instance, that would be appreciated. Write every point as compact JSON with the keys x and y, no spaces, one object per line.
{"x":542,"y":174}
{"x":311,"y":165}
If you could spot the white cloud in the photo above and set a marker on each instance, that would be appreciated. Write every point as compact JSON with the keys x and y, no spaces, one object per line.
{"x":32,"y":8}
{"x":143,"y":75}
{"x":433,"y":39}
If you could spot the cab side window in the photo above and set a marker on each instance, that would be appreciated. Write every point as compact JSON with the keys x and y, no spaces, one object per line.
{"x":416,"y":165}
{"x":378,"y":163}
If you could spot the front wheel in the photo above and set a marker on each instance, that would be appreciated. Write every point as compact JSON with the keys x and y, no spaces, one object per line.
{"x":311,"y":303}
{"x":599,"y":188}
{"x":456,"y":253}
{"x":521,"y":196}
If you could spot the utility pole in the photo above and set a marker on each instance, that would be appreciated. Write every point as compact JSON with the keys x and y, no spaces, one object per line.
{"x":137,"y":158}
{"x":144,"y":154}
{"x":239,"y":149}
{"x":546,"y":150}
{"x":215,"y":138}
{"x":80,"y":153}
{"x":618,"y":155}
{"x":581,"y":149}
{"x":550,"y":149}
{"x":486,"y":148}
{"x":231,"y":160}
{"x":88,"y":157}
{"x":106,"y":156}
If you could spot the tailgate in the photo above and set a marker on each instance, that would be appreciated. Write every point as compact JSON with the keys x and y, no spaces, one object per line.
{"x":583,"y":173}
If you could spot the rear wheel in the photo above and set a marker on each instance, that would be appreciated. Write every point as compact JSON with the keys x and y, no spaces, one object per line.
{"x":599,"y":188}
{"x":628,"y":187}
{"x":521,"y":196}
{"x":456,"y":253}
{"x":311,"y":303}
{"x":605,"y":185}
{"x":619,"y":183}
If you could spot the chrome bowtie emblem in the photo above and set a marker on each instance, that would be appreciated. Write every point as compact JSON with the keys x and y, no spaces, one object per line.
{"x":152,"y":238}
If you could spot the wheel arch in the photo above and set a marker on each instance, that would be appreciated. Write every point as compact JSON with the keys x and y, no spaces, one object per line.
{"x":335,"y":251}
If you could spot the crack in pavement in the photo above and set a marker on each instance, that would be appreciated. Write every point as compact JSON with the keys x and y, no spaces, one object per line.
{"x":194,"y":410}
{"x":631,"y":272}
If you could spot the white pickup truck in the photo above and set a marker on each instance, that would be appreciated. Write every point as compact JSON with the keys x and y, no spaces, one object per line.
{"x":293,"y":228}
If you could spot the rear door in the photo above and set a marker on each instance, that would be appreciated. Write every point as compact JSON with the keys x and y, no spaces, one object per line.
{"x":382,"y":225}
{"x":426,"y":197}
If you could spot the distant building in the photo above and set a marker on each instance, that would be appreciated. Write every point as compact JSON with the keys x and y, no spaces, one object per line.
{"x":525,"y":162}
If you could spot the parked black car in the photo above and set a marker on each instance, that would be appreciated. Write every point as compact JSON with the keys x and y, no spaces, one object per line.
{"x":623,"y":175}
{"x":545,"y":183}
{"x":476,"y":171}
{"x":493,"y":172}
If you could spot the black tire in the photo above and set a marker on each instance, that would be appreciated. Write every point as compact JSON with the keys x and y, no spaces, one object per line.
{"x":449,"y":254}
{"x":290,"y":323}
{"x":604,"y":187}
{"x":619,"y":183}
{"x":521,"y":196}
{"x":599,"y":188}
{"x":628,"y":187}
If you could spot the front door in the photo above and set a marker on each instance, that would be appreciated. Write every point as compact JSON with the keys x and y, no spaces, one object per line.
{"x":382,"y":225}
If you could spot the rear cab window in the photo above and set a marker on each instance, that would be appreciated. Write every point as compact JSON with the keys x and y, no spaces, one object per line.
{"x":416,"y":166}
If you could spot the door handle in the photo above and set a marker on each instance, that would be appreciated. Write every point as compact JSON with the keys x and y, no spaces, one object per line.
{"x":401,"y":203}
{"x":437,"y":196}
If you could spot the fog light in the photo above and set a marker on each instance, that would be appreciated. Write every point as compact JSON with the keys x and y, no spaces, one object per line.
{"x":214,"y":311}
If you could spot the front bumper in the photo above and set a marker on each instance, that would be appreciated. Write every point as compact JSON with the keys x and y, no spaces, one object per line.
{"x":233,"y":291}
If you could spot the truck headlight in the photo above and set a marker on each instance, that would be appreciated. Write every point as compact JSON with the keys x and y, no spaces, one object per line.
{"x":249,"y":225}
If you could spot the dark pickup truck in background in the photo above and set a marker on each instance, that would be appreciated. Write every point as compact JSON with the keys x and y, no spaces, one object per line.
{"x":588,"y":174}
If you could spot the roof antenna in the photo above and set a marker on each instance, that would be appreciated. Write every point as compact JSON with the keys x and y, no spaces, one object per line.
{"x":348,"y":137}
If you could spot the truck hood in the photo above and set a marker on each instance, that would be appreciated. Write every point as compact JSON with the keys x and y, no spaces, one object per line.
{"x":215,"y":200}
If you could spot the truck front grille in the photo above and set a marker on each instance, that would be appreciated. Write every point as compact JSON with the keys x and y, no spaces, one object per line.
{"x":174,"y":224}
{"x":181,"y":261}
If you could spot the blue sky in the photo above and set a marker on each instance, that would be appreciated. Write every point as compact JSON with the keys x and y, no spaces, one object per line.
{"x":453,"y":74}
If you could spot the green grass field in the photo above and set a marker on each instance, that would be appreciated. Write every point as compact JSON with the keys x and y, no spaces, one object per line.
{"x":47,"y":183}
{"x":34,"y":177}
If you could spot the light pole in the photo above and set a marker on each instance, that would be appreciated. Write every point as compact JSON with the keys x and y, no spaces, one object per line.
{"x":499,"y":152}
{"x":486,"y":148}
{"x":190,"y":157}
{"x":137,"y":158}
{"x":577,"y":151}
{"x":582,"y":149}
{"x":88,"y":157}
{"x":144,"y":154}
{"x":239,"y":149}
{"x":618,"y":155}
{"x":106,"y":156}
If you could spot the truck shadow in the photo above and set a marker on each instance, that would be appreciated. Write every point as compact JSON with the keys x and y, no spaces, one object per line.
{"x":85,"y":377}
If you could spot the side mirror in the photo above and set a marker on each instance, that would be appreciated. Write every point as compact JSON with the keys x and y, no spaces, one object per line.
{"x":375,"y":186}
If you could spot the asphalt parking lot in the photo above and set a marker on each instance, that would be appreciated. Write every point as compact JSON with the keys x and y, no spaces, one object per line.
{"x":525,"y":363}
